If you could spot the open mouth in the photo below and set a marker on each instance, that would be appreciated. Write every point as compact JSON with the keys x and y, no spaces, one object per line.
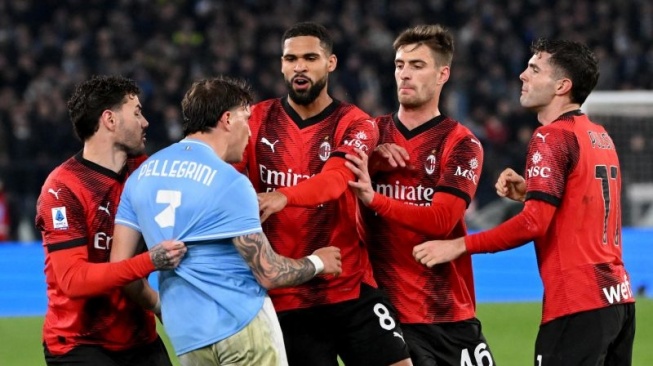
{"x":301,"y":83}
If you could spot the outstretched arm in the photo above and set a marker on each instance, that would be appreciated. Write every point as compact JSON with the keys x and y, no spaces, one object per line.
{"x":325,"y":186}
{"x":166,"y":255}
{"x":79,"y":278}
{"x":273,"y":270}
{"x":529,"y":224}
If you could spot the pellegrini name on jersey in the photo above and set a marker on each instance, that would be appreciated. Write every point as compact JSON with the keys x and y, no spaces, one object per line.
{"x":178,"y":169}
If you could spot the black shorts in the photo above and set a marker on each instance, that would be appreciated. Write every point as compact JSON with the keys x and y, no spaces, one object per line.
{"x":364,"y":332}
{"x":456,"y":343}
{"x":596,"y":337}
{"x":153,"y":354}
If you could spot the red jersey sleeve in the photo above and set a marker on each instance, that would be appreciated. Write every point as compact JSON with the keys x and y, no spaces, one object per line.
{"x":79,"y":278}
{"x":61,"y":217}
{"x":361,"y":133}
{"x":328,"y":185}
{"x":530,"y":223}
{"x":62,"y":220}
{"x":461,"y":168}
{"x":435,"y":220}
{"x":552,"y":155}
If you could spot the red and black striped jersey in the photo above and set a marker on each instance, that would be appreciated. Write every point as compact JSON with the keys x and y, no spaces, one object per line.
{"x":75,"y":213}
{"x":285,"y":150}
{"x":572,"y":164}
{"x":444,"y":157}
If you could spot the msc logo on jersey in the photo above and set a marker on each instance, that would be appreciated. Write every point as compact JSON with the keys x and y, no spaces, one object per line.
{"x":357,"y":142}
{"x":473,"y":163}
{"x":59,"y":219}
{"x":468,"y":173}
{"x":537,"y":171}
{"x":429,"y":164}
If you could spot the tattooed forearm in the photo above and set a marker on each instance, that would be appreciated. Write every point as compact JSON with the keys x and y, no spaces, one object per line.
{"x":271,"y":269}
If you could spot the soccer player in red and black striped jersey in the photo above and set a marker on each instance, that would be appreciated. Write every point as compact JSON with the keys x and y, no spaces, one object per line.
{"x":295,"y":160}
{"x":572,"y":211}
{"x":89,"y":320}
{"x":429,"y":174}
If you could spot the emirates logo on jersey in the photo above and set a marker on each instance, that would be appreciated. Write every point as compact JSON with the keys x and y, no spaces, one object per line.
{"x":473,"y":163}
{"x":429,"y":164}
{"x":325,"y":151}
{"x":536,"y":158}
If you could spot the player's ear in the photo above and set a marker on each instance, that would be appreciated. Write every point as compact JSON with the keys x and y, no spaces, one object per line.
{"x":333,"y":62}
{"x":563,"y":86}
{"x":443,"y":75}
{"x":225,"y":120}
{"x":108,"y":119}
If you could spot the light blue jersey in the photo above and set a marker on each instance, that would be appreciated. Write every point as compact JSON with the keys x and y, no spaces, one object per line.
{"x":187,"y":192}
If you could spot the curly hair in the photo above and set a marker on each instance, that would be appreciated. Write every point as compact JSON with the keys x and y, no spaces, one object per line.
{"x":94,"y":96}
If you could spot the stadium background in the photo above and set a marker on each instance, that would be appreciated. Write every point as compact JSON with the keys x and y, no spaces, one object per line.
{"x":47,"y":46}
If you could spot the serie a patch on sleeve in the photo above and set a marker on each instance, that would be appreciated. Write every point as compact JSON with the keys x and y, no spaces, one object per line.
{"x":59,"y":219}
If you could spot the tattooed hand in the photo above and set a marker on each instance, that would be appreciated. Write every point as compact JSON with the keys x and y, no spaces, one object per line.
{"x":330,"y":256}
{"x":273,"y":270}
{"x":167,"y":254}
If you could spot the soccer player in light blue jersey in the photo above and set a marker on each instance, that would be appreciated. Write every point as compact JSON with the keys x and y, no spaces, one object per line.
{"x":214,"y":305}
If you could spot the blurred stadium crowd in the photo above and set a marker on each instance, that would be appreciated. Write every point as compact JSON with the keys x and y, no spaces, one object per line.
{"x":48,"y":46}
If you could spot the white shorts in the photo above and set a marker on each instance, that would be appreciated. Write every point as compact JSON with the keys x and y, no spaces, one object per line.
{"x":259,"y":343}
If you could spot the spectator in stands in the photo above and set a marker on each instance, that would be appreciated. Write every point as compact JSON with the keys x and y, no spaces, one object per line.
{"x":47,"y":47}
{"x":5,"y":218}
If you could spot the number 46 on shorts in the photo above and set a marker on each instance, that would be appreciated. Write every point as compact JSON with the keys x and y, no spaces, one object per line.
{"x":481,"y":355}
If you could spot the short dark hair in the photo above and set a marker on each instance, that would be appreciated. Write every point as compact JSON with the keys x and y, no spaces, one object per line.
{"x":313,"y":30}
{"x":207,"y":100}
{"x":434,"y":36}
{"x":573,"y":60}
{"x":94,"y":96}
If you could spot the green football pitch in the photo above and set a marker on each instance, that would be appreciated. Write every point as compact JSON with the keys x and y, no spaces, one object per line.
{"x":509,"y":327}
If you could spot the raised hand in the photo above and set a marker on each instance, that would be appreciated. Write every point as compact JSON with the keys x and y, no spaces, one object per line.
{"x":387,"y":157}
{"x":511,"y":185}
{"x":362,"y":187}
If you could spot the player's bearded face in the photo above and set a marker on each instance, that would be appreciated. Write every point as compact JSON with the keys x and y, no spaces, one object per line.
{"x":133,"y":143}
{"x":130,"y":127}
{"x":307,"y":95}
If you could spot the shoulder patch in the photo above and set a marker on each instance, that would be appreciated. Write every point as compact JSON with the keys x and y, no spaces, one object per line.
{"x":59,"y":219}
